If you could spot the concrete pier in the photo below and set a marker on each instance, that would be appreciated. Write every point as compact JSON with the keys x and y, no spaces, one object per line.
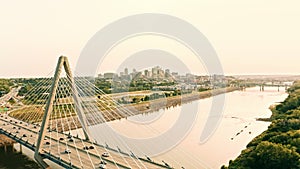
{"x":6,"y":143}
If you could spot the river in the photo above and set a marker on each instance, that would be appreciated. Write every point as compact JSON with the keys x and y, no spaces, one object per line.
{"x":237,"y":127}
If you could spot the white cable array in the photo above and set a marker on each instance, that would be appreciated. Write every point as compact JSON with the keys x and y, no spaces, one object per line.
{"x":84,"y":107}
{"x":96,"y":112}
{"x":67,"y":122}
{"x":67,"y":102}
{"x":28,"y":103}
{"x":124,"y":109}
{"x":91,"y":110}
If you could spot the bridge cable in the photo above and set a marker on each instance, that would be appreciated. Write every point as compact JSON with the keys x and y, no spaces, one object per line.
{"x":128,"y":112}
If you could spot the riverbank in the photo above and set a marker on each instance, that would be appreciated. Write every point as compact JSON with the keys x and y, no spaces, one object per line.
{"x":155,"y":105}
{"x":279,"y":146}
{"x":158,"y":104}
{"x":139,"y":108}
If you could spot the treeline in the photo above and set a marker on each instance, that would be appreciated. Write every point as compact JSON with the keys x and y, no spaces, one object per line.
{"x":5,"y":85}
{"x":153,"y":96}
{"x":127,"y":86}
{"x":279,"y":146}
{"x":27,"y":84}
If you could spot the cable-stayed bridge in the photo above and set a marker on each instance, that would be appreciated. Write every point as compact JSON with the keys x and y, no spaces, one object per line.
{"x":58,"y":106}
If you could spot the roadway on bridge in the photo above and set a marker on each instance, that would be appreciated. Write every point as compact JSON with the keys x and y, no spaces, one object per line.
{"x":58,"y":143}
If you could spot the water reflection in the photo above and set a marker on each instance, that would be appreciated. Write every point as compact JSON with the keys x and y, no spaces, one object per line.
{"x":237,"y":128}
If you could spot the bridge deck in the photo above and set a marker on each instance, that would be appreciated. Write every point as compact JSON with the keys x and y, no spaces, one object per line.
{"x":78,"y":158}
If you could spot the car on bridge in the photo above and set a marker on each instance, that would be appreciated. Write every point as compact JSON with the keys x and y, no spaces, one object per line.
{"x":103,"y":162}
{"x":102,"y":166}
{"x":105,"y":154}
{"x":67,"y":151}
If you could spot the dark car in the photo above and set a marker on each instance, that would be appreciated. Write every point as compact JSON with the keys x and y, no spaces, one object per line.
{"x":67,"y":151}
{"x":103,"y":162}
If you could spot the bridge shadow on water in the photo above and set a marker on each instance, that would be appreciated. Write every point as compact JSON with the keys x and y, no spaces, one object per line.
{"x":11,"y":159}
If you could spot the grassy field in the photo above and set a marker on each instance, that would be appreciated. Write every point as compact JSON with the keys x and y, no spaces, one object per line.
{"x":61,"y":109}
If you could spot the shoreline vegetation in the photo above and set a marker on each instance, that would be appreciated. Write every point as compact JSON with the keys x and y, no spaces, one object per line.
{"x":264,"y":119}
{"x":279,"y":146}
{"x":157,"y":104}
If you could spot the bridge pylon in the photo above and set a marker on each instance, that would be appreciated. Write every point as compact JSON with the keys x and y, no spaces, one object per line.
{"x":62,"y":64}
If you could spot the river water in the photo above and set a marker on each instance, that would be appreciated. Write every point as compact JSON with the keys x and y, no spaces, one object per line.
{"x":236,"y":128}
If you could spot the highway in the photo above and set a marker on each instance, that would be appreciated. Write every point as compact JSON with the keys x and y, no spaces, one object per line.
{"x":13,"y":93}
{"x":55,"y":145}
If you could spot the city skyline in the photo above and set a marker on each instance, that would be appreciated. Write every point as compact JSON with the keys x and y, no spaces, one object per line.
{"x":119,"y":72}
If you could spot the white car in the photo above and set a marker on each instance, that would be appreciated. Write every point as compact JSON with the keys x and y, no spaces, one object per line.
{"x":102,"y":166}
{"x":105,"y":154}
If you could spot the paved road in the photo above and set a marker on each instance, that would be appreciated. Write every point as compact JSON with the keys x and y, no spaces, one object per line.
{"x":59,"y":142}
{"x":13,"y":93}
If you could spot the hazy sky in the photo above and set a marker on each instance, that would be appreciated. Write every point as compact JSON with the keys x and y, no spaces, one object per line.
{"x":250,"y":37}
